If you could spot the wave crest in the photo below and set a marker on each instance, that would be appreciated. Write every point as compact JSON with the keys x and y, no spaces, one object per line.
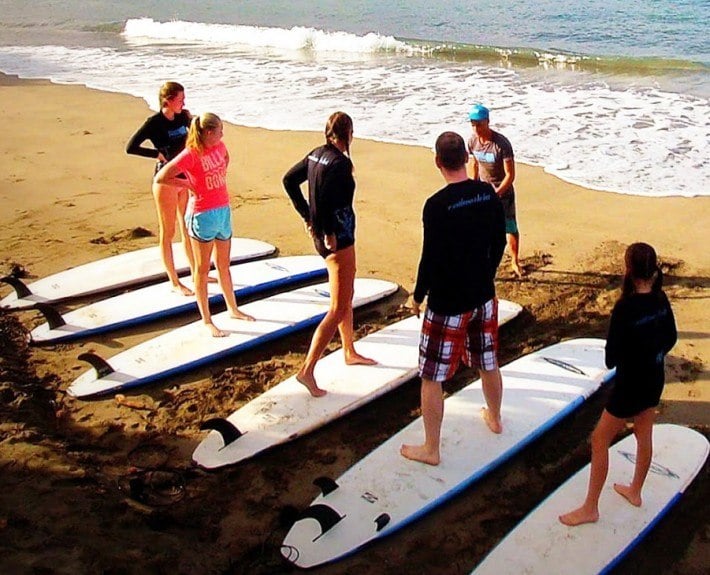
{"x":296,"y":38}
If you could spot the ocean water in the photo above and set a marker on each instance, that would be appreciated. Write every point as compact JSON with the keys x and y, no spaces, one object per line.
{"x":613,"y":95}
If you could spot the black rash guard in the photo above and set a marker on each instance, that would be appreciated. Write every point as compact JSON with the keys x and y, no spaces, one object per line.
{"x":464,"y":240}
{"x":641,"y":332}
{"x":331,"y":188}
{"x":167,"y":136}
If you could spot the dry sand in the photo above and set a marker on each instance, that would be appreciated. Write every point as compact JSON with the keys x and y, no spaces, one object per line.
{"x":71,"y":195}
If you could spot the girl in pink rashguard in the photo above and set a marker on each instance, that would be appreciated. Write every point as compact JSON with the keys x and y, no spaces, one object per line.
{"x":204,"y":162}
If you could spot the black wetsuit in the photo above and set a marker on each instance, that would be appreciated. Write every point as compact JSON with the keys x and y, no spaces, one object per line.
{"x":641,"y":332}
{"x":331,"y":188}
{"x":167,"y":136}
{"x":464,"y":240}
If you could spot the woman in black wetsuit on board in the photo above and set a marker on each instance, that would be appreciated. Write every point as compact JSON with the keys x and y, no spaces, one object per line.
{"x":330,"y":220}
{"x":167,"y":132}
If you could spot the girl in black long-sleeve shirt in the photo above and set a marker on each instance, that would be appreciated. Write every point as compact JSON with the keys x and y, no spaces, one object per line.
{"x":167,"y":132}
{"x":642,"y":331}
{"x":330,"y":220}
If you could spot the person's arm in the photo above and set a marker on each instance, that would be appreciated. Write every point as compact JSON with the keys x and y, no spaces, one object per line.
{"x":670,"y":332}
{"x":330,"y":198}
{"x":507,"y":182}
{"x":292,"y":184}
{"x":168,"y":174}
{"x":423,"y":283}
{"x":614,"y":338}
{"x":134,"y":145}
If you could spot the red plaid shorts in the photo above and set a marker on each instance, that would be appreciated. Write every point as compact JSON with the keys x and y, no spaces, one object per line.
{"x":446,"y":339}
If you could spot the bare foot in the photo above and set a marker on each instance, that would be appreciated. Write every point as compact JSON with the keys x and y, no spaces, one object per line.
{"x":517,"y":270}
{"x":579,"y":517}
{"x":357,"y":359}
{"x":420,"y":453}
{"x":182,"y":289}
{"x":310,"y":383}
{"x":626,"y":492}
{"x":211,"y":280}
{"x":493,"y":424}
{"x":215,"y":331}
{"x":241,"y":315}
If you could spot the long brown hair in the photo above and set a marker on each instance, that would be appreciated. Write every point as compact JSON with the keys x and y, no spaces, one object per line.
{"x":338,"y":129}
{"x":199,"y":126}
{"x":168,"y":91}
{"x":641,"y":264}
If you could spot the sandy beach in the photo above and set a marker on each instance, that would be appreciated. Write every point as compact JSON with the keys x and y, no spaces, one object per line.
{"x":71,"y":195}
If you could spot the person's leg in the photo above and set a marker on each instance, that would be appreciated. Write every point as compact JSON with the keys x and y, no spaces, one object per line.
{"x":481,"y":351}
{"x":347,"y":269}
{"x":492,"y":386}
{"x":441,"y":347}
{"x":513,"y":241}
{"x":643,"y":430}
{"x":166,"y":203}
{"x":339,"y":294}
{"x":224,"y":276}
{"x":182,"y":200}
{"x":603,"y":435}
{"x":432,"y":399}
{"x":203,"y":251}
{"x":512,"y":233}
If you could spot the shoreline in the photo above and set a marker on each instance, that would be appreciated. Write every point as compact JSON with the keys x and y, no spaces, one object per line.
{"x":72,"y":195}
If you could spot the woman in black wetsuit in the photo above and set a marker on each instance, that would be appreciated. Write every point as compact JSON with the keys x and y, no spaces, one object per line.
{"x":167,"y":132}
{"x":641,"y":332}
{"x":330,"y":220}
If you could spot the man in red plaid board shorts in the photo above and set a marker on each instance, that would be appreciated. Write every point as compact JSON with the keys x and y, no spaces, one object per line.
{"x":464,"y":240}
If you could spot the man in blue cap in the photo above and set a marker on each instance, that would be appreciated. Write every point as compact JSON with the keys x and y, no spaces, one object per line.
{"x":493,"y":162}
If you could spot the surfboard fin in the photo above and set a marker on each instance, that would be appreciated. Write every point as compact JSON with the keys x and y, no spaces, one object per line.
{"x":381,"y":521}
{"x":53,"y":317}
{"x":326,"y":516}
{"x":229,"y":432}
{"x":325,"y":484}
{"x":101,"y":366}
{"x":18,"y":285}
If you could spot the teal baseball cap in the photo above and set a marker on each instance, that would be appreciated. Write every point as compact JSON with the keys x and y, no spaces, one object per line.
{"x":478,"y":112}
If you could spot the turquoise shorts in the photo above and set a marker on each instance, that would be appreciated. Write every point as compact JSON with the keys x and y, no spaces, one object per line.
{"x":511,"y":226}
{"x":215,"y":224}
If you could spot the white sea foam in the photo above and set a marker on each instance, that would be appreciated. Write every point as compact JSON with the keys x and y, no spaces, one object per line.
{"x":635,"y":141}
{"x":146,"y":30}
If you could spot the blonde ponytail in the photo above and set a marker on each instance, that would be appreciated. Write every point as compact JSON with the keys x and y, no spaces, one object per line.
{"x":199,"y":126}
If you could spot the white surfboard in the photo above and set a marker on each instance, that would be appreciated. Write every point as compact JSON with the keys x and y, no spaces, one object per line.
{"x":384,"y":491}
{"x":287,"y":410}
{"x":114,"y":272}
{"x":541,"y":545}
{"x":191,"y":345}
{"x":160,"y":300}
